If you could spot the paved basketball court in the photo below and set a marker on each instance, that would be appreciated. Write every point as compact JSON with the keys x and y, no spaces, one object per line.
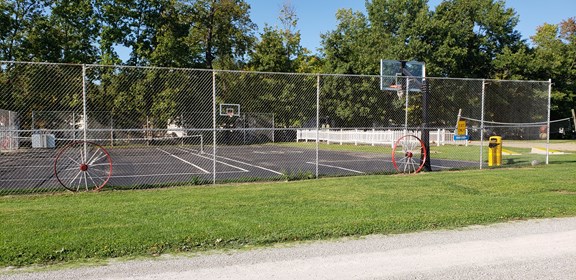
{"x":153,"y":165}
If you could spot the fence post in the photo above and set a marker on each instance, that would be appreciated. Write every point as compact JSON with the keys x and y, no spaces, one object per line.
{"x":213,"y":127}
{"x":317,"y":122}
{"x":84,"y":106}
{"x":111,"y":131}
{"x":548,"y":124}
{"x":482,"y":123}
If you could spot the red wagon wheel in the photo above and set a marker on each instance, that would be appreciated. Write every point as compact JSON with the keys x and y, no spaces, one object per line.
{"x":409,"y":154}
{"x":83,"y":166}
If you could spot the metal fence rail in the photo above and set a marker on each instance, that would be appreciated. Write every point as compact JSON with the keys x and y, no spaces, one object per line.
{"x":168,"y":126}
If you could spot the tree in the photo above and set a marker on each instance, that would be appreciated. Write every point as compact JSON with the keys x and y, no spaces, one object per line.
{"x":398,"y":28}
{"x":466,"y":36}
{"x":67,"y":34}
{"x":222,"y":29}
{"x":18,"y":18}
{"x":554,"y":58}
{"x":347,"y":49}
{"x":279,"y":48}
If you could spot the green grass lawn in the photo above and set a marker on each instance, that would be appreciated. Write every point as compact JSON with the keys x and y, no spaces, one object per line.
{"x":57,"y":228}
{"x":452,"y":152}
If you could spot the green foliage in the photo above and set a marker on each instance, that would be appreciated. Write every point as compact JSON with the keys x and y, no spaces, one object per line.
{"x":458,"y":38}
{"x":222,"y":30}
{"x":279,"y":48}
{"x":347,"y":49}
{"x":296,"y":175}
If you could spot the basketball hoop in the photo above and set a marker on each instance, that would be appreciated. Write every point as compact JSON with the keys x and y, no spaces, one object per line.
{"x":398,"y":89}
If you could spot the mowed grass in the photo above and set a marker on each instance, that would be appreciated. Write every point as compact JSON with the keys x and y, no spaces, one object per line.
{"x":47,"y":229}
{"x":470,"y":153}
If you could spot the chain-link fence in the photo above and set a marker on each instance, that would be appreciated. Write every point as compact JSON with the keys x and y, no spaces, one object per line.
{"x":150,"y":127}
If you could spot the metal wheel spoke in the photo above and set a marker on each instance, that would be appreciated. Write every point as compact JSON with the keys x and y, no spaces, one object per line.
{"x":413,"y":158}
{"x":83,"y":165}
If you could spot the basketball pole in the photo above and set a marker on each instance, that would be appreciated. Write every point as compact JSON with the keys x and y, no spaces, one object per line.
{"x":425,"y":132}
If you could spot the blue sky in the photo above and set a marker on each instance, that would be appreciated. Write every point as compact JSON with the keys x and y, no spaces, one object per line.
{"x":318,"y":16}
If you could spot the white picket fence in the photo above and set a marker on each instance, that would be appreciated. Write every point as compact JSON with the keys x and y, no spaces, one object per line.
{"x":373,"y":136}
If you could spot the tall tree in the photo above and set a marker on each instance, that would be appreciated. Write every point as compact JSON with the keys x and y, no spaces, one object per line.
{"x":347,"y":49}
{"x":554,"y":58}
{"x":399,"y":28}
{"x":18,"y":18}
{"x":74,"y":27}
{"x":467,"y":35}
{"x":279,"y":48}
{"x":222,"y":29}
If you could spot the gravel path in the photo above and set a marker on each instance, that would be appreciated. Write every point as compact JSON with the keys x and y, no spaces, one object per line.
{"x":535,"y":249}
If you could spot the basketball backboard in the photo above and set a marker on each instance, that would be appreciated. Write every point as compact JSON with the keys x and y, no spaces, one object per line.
{"x":395,"y":75}
{"x":229,"y":109}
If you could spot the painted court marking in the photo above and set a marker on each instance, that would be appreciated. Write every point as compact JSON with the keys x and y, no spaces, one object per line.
{"x":185,"y":161}
{"x":167,"y":174}
{"x":227,"y":164}
{"x":251,"y":165}
{"x":338,"y":167}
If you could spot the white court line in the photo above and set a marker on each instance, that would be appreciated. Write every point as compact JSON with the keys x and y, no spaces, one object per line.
{"x":168,"y":174}
{"x":233,"y":166}
{"x":338,"y":167}
{"x":443,"y":167}
{"x":183,"y":160}
{"x":251,"y":165}
{"x":28,"y":180}
{"x":26,"y":166}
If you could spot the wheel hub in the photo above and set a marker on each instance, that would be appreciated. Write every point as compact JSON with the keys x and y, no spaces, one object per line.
{"x":83,"y":167}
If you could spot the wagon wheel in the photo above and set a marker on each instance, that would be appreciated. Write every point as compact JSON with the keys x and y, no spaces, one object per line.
{"x":83,"y":166}
{"x":409,"y":154}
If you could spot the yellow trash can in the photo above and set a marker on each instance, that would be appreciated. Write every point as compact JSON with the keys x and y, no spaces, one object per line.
{"x":495,"y":151}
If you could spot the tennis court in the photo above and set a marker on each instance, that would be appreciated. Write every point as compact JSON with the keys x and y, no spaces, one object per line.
{"x":169,"y":165}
